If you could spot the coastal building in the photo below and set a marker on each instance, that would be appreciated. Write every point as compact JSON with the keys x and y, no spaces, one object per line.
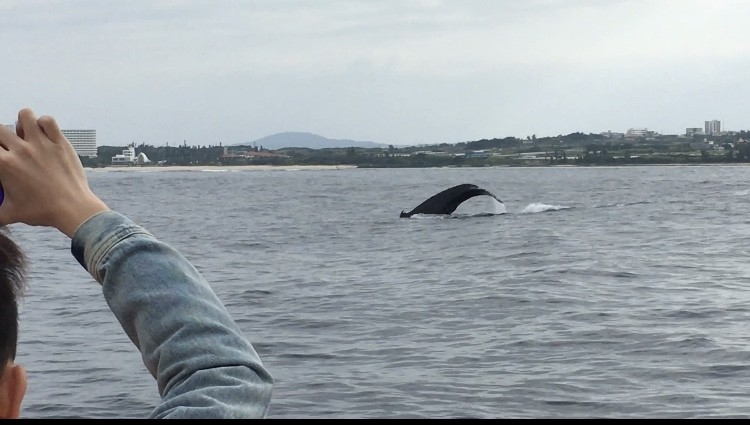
{"x":692,"y":131}
{"x":610,"y":135}
{"x":635,"y":133}
{"x":477,"y":154}
{"x":243,"y":154}
{"x":127,"y":157}
{"x":713,"y":127}
{"x":83,"y":141}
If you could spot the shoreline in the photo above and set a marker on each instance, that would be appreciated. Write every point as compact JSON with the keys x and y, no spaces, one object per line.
{"x":169,"y":168}
{"x":222,"y":168}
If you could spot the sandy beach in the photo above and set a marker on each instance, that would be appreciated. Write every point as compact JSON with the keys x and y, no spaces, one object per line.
{"x":136,"y":168}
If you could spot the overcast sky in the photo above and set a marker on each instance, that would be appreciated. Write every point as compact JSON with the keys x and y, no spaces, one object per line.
{"x":397,"y":72}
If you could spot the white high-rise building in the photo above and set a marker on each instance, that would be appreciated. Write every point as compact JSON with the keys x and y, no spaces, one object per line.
{"x":713,"y":127}
{"x":83,"y":141}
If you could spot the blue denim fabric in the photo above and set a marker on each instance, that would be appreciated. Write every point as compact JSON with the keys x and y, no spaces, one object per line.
{"x":203,"y":365}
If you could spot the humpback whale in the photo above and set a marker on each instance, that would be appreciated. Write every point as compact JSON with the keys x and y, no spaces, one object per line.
{"x":448,"y":200}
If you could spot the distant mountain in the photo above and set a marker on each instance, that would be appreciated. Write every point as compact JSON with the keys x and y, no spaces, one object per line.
{"x":307,"y":140}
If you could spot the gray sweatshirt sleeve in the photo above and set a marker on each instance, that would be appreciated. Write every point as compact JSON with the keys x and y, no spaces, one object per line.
{"x":203,"y":365}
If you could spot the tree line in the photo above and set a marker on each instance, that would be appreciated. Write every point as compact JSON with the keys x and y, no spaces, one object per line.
{"x":572,"y":149}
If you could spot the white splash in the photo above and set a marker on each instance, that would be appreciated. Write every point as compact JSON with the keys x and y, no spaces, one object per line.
{"x":537,"y":208}
{"x":430,"y":216}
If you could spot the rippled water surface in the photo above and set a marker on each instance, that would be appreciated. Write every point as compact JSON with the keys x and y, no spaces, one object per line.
{"x":599,"y":292}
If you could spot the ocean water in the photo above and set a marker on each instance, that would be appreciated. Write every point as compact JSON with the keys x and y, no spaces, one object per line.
{"x":615,"y":292}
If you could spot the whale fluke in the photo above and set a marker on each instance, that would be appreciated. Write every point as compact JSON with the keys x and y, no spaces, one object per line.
{"x":448,"y":200}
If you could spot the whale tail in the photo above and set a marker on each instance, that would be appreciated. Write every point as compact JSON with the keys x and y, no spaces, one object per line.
{"x":448,"y":200}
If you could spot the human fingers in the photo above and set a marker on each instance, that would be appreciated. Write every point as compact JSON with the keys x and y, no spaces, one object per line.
{"x":19,"y":129}
{"x":50,"y":128}
{"x":6,"y":164}
{"x":29,"y":125}
{"x":7,"y":138}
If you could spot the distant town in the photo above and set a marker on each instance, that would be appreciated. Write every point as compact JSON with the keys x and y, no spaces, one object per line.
{"x":697,"y":145}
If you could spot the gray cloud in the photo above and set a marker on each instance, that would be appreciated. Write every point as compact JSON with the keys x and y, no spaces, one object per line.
{"x":389,"y":71}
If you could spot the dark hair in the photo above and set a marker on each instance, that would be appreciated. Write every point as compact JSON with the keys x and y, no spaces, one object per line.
{"x":12,"y":284}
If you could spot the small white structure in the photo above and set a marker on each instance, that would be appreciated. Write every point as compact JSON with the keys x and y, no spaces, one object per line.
{"x":142,"y":159}
{"x":127,"y":157}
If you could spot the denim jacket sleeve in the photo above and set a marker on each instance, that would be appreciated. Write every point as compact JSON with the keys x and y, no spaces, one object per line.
{"x":203,"y":365}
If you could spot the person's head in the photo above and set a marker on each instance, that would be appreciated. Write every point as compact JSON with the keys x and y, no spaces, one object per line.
{"x":12,"y":282}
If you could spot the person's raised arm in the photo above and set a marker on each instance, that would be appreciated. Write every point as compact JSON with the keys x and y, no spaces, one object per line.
{"x":203,"y":365}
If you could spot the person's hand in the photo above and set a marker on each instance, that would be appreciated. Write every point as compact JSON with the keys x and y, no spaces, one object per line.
{"x":42,"y":177}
